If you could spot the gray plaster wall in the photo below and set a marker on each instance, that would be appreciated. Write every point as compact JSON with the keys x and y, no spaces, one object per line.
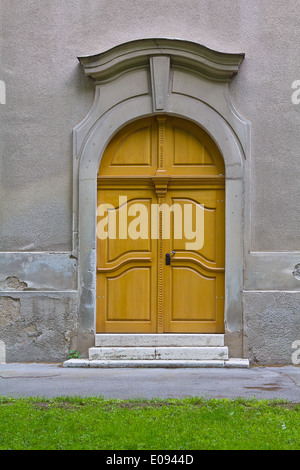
{"x":38,"y":327}
{"x":47,"y":95}
{"x":272,"y":326}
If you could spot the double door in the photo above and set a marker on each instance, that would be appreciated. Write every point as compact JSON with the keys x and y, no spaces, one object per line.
{"x":160,"y":232}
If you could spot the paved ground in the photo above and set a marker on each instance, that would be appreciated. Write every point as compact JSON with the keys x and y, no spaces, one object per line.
{"x":49,"y":380}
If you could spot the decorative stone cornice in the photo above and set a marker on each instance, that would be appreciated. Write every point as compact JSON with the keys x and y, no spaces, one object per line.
{"x":214,"y":65}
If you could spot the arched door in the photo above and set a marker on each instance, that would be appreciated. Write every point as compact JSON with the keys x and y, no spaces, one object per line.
{"x":161,"y":230}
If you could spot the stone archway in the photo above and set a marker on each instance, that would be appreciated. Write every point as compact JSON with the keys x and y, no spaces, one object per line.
{"x":143,"y":78}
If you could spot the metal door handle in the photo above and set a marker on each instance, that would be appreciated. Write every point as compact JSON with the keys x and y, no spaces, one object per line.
{"x":168,"y":258}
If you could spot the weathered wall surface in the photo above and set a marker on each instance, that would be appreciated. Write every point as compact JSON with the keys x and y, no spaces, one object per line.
{"x":47,"y":95}
{"x":272,"y":325}
{"x":38,"y":327}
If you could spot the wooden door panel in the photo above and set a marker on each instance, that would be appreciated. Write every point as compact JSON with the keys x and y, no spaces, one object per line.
{"x":136,"y":224}
{"x":127,"y":267}
{"x":125,"y":301}
{"x":194,"y":282}
{"x":212,"y":219}
{"x":190,"y":151}
{"x":193,"y":239}
{"x":134,"y":307}
{"x":161,"y":160}
{"x":189,"y":303}
{"x":125,"y":218}
{"x":132,"y":151}
{"x":196,"y":300}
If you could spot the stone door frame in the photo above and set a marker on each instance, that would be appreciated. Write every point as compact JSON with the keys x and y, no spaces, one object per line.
{"x":142,"y":78}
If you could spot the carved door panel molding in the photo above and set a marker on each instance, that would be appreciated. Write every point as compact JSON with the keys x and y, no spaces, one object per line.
{"x":170,"y":166}
{"x":176,"y":78}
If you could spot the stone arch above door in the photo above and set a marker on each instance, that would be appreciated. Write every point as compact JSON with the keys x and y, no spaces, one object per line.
{"x":139,"y":79}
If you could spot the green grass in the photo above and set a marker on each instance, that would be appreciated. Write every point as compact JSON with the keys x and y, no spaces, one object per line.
{"x":73,"y":423}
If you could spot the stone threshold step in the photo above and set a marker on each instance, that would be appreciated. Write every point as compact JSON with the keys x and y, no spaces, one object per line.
{"x":165,"y":339}
{"x":233,"y":363}
{"x":159,"y":353}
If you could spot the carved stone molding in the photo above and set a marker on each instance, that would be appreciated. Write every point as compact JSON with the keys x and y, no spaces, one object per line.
{"x":212,"y":64}
{"x":161,"y":77}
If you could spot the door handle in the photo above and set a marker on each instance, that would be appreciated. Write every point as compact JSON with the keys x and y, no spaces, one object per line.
{"x":168,"y":258}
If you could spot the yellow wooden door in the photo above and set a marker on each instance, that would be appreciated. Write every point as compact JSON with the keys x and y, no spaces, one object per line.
{"x":127,"y":279}
{"x":161,"y":235}
{"x":194,"y":280}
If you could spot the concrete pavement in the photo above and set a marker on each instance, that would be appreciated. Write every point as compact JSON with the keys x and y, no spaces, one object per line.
{"x":50,"y":380}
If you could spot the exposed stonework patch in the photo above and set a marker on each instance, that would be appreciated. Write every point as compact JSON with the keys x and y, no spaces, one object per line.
{"x":32,"y":331}
{"x":296,"y":272}
{"x":9,"y":310}
{"x":272,"y":322}
{"x":39,"y":327}
{"x":13,"y":283}
{"x":38,"y":271}
{"x":71,"y":338}
{"x":234,"y":341}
